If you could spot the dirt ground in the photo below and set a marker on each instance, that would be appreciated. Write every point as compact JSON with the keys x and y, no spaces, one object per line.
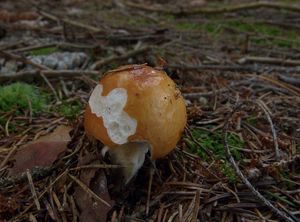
{"x":237,"y":64}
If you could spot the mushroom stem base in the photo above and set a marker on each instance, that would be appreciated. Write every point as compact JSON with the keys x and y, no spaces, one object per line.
{"x":130,"y":156}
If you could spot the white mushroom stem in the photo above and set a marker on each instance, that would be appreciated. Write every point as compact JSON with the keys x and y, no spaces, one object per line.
{"x":130,"y":156}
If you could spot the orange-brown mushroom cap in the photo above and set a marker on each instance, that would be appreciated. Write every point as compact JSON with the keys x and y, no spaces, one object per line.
{"x":153,"y":101}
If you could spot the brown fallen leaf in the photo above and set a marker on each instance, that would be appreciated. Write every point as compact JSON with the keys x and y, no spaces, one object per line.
{"x":92,"y":210}
{"x":42,"y":152}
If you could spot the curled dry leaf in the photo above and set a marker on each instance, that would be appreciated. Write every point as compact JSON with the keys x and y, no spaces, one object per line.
{"x":42,"y":152}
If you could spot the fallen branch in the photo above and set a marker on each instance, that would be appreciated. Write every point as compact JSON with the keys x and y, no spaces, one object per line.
{"x":48,"y":74}
{"x":283,"y":163}
{"x":215,"y":67}
{"x":230,"y":158}
{"x":291,"y":88}
{"x":36,"y":173}
{"x":58,"y":45}
{"x":24,"y":60}
{"x":196,"y":95}
{"x":225,"y":9}
{"x":70,"y":22}
{"x":270,"y":60}
{"x":88,"y":190}
{"x":236,"y":68}
{"x":291,"y":80}
{"x":129,"y":54}
{"x":264,"y":107}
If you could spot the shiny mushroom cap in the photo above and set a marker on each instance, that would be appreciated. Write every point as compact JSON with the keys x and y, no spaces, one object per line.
{"x":136,"y":103}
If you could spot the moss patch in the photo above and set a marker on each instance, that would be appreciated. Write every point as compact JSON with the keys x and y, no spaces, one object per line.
{"x":267,"y":34}
{"x":43,"y":51}
{"x":203,"y":141}
{"x":21,"y":97}
{"x":214,"y":142}
{"x":70,"y":110}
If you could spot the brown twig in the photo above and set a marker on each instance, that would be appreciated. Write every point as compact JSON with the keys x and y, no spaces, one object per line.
{"x":291,"y":88}
{"x":263,"y":106}
{"x":214,"y":67}
{"x":88,"y":190}
{"x":32,"y":189}
{"x":39,"y":196}
{"x":48,"y":74}
{"x":24,"y":60}
{"x":270,"y":60}
{"x":68,"y":21}
{"x":291,"y":80}
{"x":37,"y":174}
{"x":225,"y":9}
{"x":109,"y":59}
{"x":237,"y":68}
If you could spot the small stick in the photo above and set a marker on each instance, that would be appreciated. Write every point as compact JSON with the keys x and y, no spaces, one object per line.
{"x":11,"y":152}
{"x":32,"y":218}
{"x":291,"y":88}
{"x":149,"y":190}
{"x":96,"y":166}
{"x":291,"y":80}
{"x":269,"y":60}
{"x":225,"y":9}
{"x":50,"y":86}
{"x":30,"y":109}
{"x":263,"y":106}
{"x":39,"y":197}
{"x":49,"y":74}
{"x":32,"y":189}
{"x":6,"y":126}
{"x":68,"y":21}
{"x":109,"y":59}
{"x":88,"y":190}
{"x":23,"y":60}
{"x":241,"y":175}
{"x":59,"y":206}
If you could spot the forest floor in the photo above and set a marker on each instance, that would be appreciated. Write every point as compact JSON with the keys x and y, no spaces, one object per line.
{"x":237,"y":64}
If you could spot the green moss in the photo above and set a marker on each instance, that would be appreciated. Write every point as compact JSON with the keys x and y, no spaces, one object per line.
{"x":188,"y":26}
{"x":213,"y":142}
{"x":203,"y":141}
{"x":168,"y":17}
{"x":138,"y":21}
{"x":20,"y":96}
{"x":228,"y":171}
{"x":280,"y":197}
{"x":70,"y":110}
{"x":251,"y":120}
{"x":43,"y":51}
{"x":268,"y":34}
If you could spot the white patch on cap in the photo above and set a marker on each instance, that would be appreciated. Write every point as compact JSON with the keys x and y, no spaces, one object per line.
{"x":118,"y":123}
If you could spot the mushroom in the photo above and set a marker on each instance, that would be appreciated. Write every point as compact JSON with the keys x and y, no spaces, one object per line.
{"x":135,"y":109}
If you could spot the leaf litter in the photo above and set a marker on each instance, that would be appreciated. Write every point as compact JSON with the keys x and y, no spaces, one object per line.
{"x":41,"y":152}
{"x":203,"y":47}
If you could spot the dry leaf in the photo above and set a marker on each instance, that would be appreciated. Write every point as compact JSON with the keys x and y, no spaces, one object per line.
{"x":42,"y":152}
